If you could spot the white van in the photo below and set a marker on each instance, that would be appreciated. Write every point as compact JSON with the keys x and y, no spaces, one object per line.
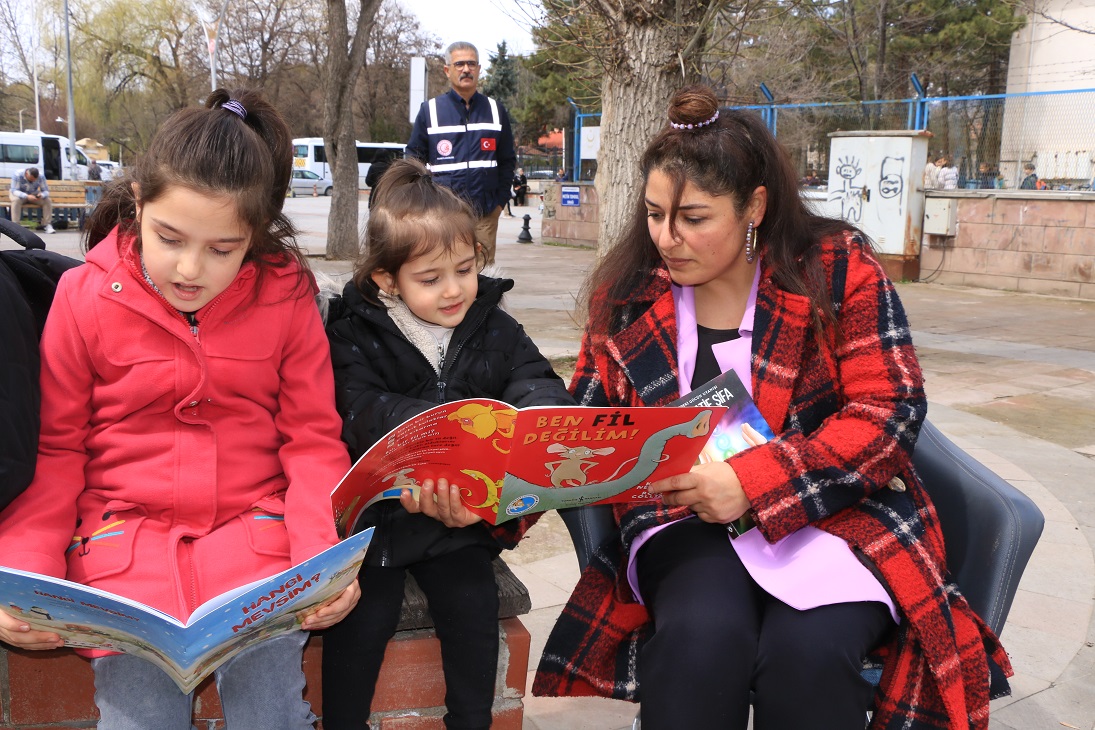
{"x":309,"y":153}
{"x":47,"y":152}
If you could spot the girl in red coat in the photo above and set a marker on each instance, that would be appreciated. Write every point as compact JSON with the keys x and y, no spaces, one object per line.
{"x":723,"y":267}
{"x":188,"y":406}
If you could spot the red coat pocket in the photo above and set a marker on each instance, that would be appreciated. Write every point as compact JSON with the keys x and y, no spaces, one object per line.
{"x":265,"y":527}
{"x":103,"y":543}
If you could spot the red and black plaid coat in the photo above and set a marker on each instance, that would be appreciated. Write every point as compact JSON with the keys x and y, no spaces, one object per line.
{"x":847,"y":413}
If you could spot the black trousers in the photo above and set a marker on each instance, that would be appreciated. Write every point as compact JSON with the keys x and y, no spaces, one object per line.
{"x":463,"y":602}
{"x":718,"y":636}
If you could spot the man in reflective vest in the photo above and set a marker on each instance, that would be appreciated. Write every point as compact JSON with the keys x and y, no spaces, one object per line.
{"x":465,"y":140}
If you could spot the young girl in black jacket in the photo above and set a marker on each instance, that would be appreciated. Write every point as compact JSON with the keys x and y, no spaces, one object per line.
{"x":419,"y":326}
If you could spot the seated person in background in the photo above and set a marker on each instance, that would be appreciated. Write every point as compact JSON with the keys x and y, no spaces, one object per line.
{"x":723,"y":267}
{"x":27,"y":186}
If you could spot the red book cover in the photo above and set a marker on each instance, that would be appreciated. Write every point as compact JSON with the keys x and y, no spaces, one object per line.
{"x":510,"y":462}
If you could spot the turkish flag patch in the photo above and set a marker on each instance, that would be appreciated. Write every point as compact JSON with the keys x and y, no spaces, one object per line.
{"x":488,"y":144}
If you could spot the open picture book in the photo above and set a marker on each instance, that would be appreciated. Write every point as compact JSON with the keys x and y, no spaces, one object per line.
{"x":510,"y":462}
{"x":219,"y":629}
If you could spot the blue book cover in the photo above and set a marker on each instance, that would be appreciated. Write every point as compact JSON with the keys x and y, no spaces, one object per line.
{"x":218,"y":630}
{"x":728,"y":436}
{"x":728,"y":391}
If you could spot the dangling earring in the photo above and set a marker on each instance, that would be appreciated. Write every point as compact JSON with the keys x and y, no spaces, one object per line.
{"x":750,"y":243}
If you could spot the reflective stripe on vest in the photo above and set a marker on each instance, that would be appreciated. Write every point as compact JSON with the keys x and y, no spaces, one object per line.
{"x":493,"y":126}
{"x":449,"y":167}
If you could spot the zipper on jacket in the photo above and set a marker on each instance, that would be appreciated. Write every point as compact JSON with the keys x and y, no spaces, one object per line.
{"x":189,"y":543}
{"x":454,"y":351}
{"x":440,"y":369}
{"x":190,"y":319}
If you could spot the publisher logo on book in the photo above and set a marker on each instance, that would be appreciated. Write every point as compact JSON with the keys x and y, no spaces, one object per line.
{"x":522,"y":505}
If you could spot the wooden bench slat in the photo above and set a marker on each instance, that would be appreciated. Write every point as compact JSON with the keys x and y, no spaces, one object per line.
{"x":62,"y":193}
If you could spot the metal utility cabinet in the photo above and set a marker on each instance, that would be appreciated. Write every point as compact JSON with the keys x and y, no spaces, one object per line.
{"x":876,"y":183}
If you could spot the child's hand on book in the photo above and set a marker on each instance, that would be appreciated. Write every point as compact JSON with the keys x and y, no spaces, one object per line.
{"x":442,"y":503}
{"x":20,"y":634}
{"x":327,"y":614}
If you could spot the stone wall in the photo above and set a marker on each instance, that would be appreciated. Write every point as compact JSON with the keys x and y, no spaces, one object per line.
{"x":1041,"y":242}
{"x":1032,"y":241}
{"x":571,"y":225}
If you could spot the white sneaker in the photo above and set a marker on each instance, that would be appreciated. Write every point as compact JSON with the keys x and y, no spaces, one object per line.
{"x":49,"y":228}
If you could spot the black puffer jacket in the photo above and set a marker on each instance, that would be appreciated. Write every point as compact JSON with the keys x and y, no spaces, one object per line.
{"x":381,"y":380}
{"x":27,"y":282}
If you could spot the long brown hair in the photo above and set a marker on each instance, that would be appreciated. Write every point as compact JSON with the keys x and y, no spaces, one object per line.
{"x":214,"y":150}
{"x":730,"y":156}
{"x":411,"y":215}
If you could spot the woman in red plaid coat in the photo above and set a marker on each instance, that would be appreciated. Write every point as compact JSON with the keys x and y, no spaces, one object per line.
{"x":724,"y":268}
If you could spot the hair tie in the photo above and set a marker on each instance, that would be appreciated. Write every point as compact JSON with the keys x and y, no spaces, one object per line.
{"x":674,"y":125}
{"x":235,"y":107}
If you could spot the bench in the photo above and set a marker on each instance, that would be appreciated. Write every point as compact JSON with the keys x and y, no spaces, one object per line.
{"x":55,"y":689}
{"x":65,"y":195}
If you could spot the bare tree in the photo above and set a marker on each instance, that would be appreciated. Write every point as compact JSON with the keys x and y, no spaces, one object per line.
{"x":153,"y":46}
{"x":383,"y":90}
{"x":17,"y":40}
{"x":261,"y":41}
{"x":344,"y":63}
{"x":647,"y":49}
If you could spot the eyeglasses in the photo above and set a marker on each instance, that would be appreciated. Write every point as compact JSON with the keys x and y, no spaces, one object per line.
{"x":464,"y":64}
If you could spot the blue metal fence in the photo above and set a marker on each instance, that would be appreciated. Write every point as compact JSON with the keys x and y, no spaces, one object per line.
{"x":991,"y":138}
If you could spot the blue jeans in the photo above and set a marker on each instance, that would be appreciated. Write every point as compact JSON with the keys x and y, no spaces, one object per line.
{"x":261,"y":688}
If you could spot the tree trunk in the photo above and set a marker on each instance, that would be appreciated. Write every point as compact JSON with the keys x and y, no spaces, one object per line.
{"x":634,"y":100}
{"x":344,"y":64}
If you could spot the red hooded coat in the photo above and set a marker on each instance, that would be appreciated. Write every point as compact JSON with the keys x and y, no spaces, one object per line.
{"x":174,"y":466}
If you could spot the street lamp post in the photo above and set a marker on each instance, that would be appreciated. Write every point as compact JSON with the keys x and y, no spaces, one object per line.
{"x":71,"y":105}
{"x":21,"y":120}
{"x":37,"y":106}
{"x":212,"y":29}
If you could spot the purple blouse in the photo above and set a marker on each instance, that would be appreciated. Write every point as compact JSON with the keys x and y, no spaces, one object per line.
{"x":806,"y":569}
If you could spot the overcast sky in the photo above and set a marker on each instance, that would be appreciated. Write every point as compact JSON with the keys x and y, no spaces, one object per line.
{"x":484,"y":23}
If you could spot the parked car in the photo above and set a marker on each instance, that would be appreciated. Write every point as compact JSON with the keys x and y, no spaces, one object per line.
{"x":541,"y":175}
{"x":109,"y":170}
{"x":305,"y":182}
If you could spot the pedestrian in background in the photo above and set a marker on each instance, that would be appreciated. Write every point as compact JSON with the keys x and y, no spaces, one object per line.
{"x":466,"y":142}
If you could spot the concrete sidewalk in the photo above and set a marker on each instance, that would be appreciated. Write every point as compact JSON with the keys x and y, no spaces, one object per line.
{"x":1010,"y":378}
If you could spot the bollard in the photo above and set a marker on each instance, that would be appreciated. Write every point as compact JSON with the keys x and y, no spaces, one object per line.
{"x":525,"y":236}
